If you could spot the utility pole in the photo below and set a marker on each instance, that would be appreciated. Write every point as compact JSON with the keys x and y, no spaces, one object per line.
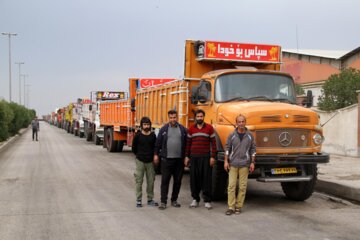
{"x":19,"y":63}
{"x":9,"y":35}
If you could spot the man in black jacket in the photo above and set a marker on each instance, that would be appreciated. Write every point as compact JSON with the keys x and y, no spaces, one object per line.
{"x":143,"y":147}
{"x":170,"y":146}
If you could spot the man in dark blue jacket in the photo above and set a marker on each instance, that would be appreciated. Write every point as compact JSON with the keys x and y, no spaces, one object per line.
{"x":170,"y":146}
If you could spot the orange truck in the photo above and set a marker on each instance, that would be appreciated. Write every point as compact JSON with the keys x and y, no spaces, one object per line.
{"x":227,"y":79}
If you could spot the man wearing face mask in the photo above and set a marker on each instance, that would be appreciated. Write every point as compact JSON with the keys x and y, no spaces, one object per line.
{"x":143,"y":147}
{"x":200,"y":155}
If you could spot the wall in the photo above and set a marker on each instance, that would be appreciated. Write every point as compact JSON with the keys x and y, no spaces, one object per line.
{"x":341,"y":132}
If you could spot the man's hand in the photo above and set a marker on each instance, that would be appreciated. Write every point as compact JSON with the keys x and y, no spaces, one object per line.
{"x":156,"y":160}
{"x":186,"y":161}
{"x":226,"y":166}
{"x":252,"y":167}
{"x":212,"y":162}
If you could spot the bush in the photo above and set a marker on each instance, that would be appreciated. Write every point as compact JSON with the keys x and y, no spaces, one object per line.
{"x":13,"y":117}
{"x":339,"y":90}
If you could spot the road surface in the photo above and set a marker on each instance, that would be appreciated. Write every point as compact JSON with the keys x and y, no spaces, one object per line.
{"x":63,"y":187}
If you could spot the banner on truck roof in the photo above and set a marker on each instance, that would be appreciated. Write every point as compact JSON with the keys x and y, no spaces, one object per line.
{"x":149,"y":82}
{"x":106,"y":95}
{"x":239,"y":52}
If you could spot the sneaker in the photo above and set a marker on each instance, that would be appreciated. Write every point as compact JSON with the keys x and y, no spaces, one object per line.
{"x":162,"y":206}
{"x":208,"y":205}
{"x":138,"y":204}
{"x":175,"y":204}
{"x":194,"y":204}
{"x":152,"y":203}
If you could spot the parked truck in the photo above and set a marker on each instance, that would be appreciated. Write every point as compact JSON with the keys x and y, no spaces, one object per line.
{"x":91,"y":114}
{"x":227,"y":79}
{"x":77,"y":125}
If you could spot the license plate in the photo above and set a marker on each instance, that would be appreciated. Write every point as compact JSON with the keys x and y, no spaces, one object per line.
{"x":290,"y":170}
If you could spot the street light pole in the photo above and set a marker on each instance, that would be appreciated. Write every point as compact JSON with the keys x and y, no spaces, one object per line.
{"x":27,"y":95}
{"x":24,"y":76}
{"x":19,"y":63}
{"x":9,"y":35}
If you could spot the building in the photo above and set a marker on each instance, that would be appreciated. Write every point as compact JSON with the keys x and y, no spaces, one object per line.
{"x":311,"y":68}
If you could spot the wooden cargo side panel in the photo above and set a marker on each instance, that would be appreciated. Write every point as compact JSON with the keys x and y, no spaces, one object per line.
{"x":155,"y":102}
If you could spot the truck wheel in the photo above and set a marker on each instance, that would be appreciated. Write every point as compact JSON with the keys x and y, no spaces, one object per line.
{"x":219,"y":181}
{"x":97,"y":140}
{"x":300,"y":191}
{"x":81,"y":134}
{"x":120,"y":146}
{"x":76,"y":133}
{"x":111,"y":145}
{"x":89,"y":137}
{"x":105,"y":138}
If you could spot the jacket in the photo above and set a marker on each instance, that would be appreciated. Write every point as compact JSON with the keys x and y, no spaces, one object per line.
{"x":161,"y":141}
{"x":240,"y":151}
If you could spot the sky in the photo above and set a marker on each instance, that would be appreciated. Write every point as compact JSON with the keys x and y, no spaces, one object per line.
{"x":72,"y":47}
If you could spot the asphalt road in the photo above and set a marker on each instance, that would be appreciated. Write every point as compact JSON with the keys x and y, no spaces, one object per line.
{"x":63,"y":187}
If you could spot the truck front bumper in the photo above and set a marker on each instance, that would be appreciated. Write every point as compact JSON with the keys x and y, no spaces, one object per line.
{"x":265,"y":166}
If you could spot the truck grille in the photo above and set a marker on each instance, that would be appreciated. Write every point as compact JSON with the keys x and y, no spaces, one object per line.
{"x":283,"y":138}
{"x":272,"y":118}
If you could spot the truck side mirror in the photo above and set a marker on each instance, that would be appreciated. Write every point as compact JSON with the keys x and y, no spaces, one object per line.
{"x":132,"y":104}
{"x":90,"y":107}
{"x":309,"y":99}
{"x":194,"y":97}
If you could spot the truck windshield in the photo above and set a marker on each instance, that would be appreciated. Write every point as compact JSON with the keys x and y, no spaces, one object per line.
{"x":254,"y":86}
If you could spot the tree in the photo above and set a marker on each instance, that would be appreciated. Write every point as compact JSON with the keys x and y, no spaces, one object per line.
{"x":339,"y":90}
{"x":299,"y":90}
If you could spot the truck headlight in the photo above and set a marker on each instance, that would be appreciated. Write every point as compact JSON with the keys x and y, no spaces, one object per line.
{"x":318,"y":139}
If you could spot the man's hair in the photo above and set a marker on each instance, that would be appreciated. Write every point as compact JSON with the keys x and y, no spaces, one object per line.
{"x":199,"y":111}
{"x":145,"y":120}
{"x":240,"y":115}
{"x":172,"y":112}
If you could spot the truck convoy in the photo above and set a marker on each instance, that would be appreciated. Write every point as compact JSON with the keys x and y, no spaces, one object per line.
{"x":227,"y":79}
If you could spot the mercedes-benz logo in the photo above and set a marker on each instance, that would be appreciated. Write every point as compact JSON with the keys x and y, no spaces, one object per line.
{"x":285,"y":139}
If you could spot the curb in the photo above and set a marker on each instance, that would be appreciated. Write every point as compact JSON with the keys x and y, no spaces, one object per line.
{"x":338,"y":190}
{"x":5,"y":145}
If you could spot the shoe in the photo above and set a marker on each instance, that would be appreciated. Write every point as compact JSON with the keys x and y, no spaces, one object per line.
{"x":152,"y":203}
{"x":138,"y":204}
{"x":208,"y":205}
{"x":162,"y":206}
{"x":175,"y":204}
{"x":229,"y":212}
{"x":194,"y":204}
{"x":237,"y":210}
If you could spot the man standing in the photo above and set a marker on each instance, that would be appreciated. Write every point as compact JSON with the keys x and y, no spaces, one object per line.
{"x":200,"y":155}
{"x":143,"y":147}
{"x":239,"y":160}
{"x":35,"y":128}
{"x":170,"y":146}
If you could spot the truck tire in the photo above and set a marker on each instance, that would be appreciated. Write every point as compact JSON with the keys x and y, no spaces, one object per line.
{"x":300,"y":191}
{"x":219,"y":181}
{"x":120,"y":146}
{"x":81,"y":134}
{"x":76,"y":133}
{"x":97,"y":140}
{"x":88,"y":135}
{"x":111,"y":145}
{"x":105,"y":137}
